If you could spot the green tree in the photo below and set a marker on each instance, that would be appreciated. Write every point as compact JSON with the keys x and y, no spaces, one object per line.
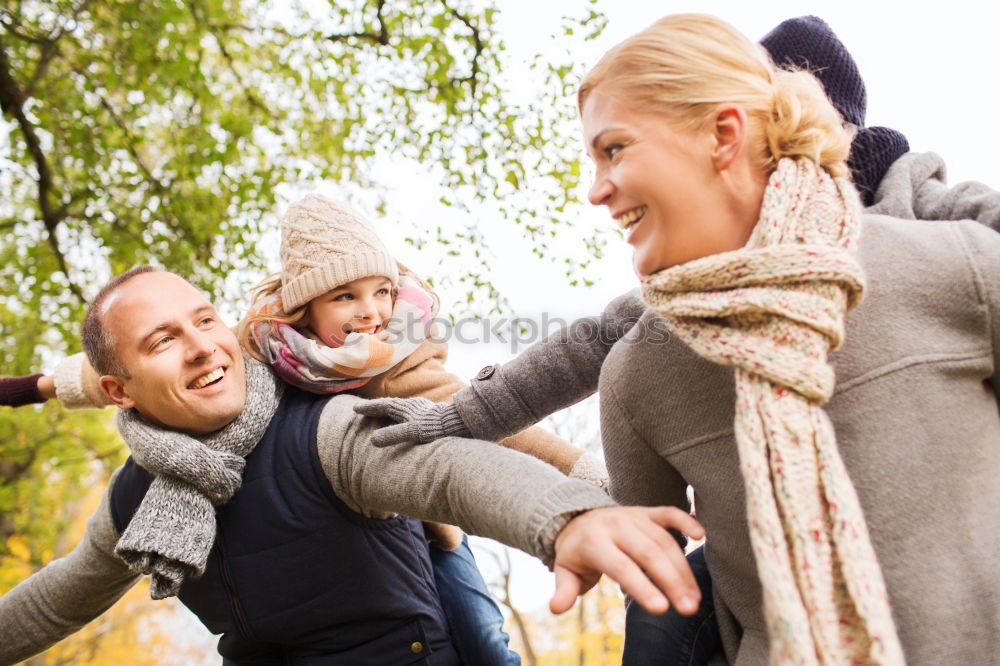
{"x":161,"y":130}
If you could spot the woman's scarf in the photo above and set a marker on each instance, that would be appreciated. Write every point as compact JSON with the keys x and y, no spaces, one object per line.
{"x":314,"y":366}
{"x":774,"y":310}
{"x":173,"y":530}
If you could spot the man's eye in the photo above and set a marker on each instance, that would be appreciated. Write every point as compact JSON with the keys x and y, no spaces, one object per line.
{"x":162,"y":341}
{"x":207,"y":321}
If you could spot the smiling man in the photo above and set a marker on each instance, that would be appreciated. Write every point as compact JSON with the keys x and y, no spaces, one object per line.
{"x":276,"y":522}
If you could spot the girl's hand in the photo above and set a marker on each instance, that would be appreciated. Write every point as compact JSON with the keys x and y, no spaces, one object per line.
{"x":26,"y":390}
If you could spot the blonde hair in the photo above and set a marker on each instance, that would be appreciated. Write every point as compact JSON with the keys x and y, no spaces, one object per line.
{"x":685,"y":65}
{"x":270,"y":287}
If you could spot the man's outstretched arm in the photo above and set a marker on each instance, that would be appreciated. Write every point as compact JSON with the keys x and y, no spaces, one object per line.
{"x":505,"y":495}
{"x":66,"y":594}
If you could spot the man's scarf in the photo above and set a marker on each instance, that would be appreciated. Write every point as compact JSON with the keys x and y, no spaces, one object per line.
{"x":311,"y":365}
{"x":774,"y":310}
{"x":173,"y":530}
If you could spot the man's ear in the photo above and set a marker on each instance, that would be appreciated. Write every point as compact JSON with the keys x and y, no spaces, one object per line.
{"x":117,"y":392}
{"x":730,"y":130}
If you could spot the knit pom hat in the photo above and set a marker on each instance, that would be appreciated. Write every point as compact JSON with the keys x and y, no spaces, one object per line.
{"x":324,"y":245}
{"x":807,"y":42}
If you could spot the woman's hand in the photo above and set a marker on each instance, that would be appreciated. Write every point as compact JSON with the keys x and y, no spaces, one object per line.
{"x":418,"y":420}
{"x":26,"y":390}
{"x":630,"y":544}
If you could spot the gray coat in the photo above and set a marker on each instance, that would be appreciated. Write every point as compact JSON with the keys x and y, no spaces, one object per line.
{"x":915,"y":411}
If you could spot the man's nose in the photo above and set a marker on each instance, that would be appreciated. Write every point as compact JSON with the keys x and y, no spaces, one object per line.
{"x":200,"y":344}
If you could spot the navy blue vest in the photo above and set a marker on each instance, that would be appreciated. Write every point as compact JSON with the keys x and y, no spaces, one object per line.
{"x":295,"y":577}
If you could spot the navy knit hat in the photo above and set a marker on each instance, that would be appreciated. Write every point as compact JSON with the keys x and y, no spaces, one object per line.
{"x":807,"y":42}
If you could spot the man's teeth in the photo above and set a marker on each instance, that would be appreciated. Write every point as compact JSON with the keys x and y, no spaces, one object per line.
{"x":628,"y":218}
{"x":208,"y":379}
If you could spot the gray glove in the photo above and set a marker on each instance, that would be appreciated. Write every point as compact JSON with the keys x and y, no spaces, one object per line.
{"x":418,"y":420}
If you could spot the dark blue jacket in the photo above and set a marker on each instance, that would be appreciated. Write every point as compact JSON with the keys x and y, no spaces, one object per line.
{"x":295,"y":577}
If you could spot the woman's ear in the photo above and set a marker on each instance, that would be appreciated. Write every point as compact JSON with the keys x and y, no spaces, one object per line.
{"x":730,"y":129}
{"x":116,"y":391}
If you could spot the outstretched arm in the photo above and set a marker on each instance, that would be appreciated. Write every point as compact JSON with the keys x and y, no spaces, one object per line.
{"x":66,"y":594}
{"x":503,"y":400}
{"x":74,"y":383}
{"x":513,"y":498}
{"x":915,"y":187}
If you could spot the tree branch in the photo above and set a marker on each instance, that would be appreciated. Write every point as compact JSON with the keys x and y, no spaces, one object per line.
{"x":381,"y":37}
{"x":51,"y":49}
{"x":11,"y":103}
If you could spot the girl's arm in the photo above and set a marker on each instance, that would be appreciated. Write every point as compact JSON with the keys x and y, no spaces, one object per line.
{"x":74,"y":383}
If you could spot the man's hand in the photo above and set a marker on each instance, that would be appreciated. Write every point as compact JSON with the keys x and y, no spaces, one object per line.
{"x":419,"y":420}
{"x":632,"y":546}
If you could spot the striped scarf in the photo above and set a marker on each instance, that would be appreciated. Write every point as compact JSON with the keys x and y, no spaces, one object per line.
{"x":305,"y":362}
{"x":774,"y":310}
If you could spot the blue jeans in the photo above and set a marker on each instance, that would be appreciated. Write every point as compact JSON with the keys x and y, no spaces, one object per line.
{"x":672,"y":638}
{"x":474,"y":618}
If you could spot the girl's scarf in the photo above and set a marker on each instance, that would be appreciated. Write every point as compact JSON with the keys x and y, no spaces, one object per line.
{"x":313,"y":366}
{"x":173,"y":530}
{"x":774,"y":310}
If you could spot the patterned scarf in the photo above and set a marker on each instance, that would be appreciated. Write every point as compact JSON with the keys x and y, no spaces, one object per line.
{"x":774,"y":310}
{"x":173,"y":529}
{"x":311,"y":365}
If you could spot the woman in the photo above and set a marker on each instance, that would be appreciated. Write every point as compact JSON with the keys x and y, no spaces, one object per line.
{"x":728,"y":180}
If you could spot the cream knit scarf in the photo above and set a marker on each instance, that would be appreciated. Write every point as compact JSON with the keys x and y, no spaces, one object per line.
{"x":774,"y":310}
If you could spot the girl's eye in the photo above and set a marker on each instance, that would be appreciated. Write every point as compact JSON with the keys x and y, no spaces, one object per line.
{"x":382,"y":292}
{"x":344,"y":297}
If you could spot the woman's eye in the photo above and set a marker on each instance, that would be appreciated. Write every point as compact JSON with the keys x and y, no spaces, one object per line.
{"x":344,"y":297}
{"x":382,"y":292}
{"x":612,"y":150}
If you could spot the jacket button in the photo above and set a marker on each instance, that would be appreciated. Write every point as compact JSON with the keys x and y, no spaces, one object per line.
{"x":416,"y":647}
{"x":486,"y":372}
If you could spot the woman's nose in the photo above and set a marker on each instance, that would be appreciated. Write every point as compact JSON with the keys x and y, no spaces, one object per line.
{"x":600,"y":190}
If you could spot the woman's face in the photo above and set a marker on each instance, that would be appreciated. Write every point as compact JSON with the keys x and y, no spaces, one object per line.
{"x":660,"y":184}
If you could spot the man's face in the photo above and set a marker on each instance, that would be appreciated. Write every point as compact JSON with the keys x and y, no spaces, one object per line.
{"x":186,"y":370}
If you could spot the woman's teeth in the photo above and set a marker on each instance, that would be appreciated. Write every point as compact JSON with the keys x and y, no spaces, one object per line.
{"x":204,"y":381}
{"x":626,"y":220}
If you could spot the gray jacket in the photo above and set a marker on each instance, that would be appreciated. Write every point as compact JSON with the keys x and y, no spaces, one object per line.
{"x":490,"y":491}
{"x":916,"y":414}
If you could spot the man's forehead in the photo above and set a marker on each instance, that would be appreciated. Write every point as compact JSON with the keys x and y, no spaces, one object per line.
{"x":152,"y":297}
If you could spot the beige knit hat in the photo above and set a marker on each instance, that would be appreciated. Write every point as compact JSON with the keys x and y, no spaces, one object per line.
{"x":324,"y":245}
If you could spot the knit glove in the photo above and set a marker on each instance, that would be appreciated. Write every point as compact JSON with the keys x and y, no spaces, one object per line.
{"x":419,"y":420}
{"x":20,"y":391}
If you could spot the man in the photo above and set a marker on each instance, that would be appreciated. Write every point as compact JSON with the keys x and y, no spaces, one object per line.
{"x":308,"y":560}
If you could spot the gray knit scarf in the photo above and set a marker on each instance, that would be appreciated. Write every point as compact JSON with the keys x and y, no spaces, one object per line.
{"x":173,"y":530}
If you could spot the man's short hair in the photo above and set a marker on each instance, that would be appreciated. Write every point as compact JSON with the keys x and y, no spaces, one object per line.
{"x":98,"y":343}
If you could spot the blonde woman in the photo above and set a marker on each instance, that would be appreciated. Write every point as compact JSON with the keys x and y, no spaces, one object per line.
{"x":829,"y":383}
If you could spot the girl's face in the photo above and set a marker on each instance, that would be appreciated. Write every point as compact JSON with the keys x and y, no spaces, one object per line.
{"x":360,"y":306}
{"x":660,"y":183}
